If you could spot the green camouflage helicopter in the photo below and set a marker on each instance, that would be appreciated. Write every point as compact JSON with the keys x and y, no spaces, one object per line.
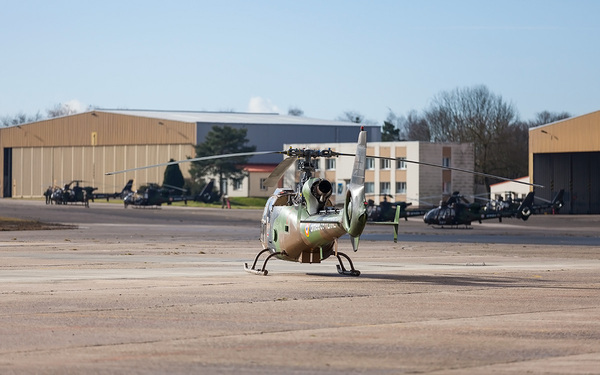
{"x":302,"y":225}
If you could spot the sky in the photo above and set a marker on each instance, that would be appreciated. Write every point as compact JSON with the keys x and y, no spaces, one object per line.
{"x":323,"y":57}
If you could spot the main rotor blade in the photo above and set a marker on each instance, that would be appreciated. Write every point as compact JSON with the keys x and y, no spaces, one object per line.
{"x":278,"y":172}
{"x":174,"y":187}
{"x":451,"y":168}
{"x":198,"y":159}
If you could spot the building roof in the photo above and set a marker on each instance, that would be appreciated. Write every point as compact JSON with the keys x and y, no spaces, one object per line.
{"x":568,"y":119}
{"x":228,"y":117}
{"x":521,"y":179}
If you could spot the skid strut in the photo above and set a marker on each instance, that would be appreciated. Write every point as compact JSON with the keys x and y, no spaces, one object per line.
{"x":261,"y":271}
{"x":342,"y":270}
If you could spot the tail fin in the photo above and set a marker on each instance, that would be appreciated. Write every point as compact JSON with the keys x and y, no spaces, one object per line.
{"x":355,"y":210}
{"x":526,"y":207}
{"x":206,"y":193}
{"x":557,"y":202}
{"x":127,"y":188}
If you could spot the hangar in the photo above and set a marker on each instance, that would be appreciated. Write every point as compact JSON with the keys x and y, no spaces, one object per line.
{"x":566,"y":155}
{"x":86,"y":145}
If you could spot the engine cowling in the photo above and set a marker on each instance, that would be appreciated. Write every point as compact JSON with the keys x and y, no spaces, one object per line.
{"x":355,"y":210}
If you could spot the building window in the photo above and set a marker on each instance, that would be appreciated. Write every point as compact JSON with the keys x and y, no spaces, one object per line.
{"x":262,"y":184}
{"x":330,"y":164}
{"x":369,"y":187}
{"x":400,"y":163}
{"x":401,"y":187}
{"x":237,"y":184}
{"x":384,"y":187}
{"x":446,"y":162}
{"x":370,"y":163}
{"x":447,"y":187}
{"x":385,"y":163}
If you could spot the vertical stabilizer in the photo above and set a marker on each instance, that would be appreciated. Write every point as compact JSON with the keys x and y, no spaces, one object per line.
{"x":355,"y":212}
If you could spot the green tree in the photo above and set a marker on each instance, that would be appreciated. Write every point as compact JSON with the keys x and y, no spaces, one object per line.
{"x":173,"y":176}
{"x":221,"y":141}
{"x":390,"y":130}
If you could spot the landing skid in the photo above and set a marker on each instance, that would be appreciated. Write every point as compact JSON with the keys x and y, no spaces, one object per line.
{"x":342,"y":270}
{"x":452,"y":226}
{"x":263,"y":270}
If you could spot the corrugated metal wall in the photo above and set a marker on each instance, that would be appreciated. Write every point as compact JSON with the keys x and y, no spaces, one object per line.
{"x":78,"y":147}
{"x":36,"y":168}
{"x":577,"y":134}
{"x":101,"y":128}
{"x":585,"y":187}
{"x":577,"y":173}
{"x":566,"y":155}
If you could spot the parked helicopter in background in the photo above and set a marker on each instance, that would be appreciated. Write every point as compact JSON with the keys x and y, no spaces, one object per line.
{"x":154,"y":195}
{"x":386,"y":211}
{"x":68,"y":195}
{"x":552,"y":206}
{"x":457,"y":211}
{"x":121,"y":194}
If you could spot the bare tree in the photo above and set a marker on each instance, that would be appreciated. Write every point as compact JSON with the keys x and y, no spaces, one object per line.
{"x":352,"y":116}
{"x":60,"y":109}
{"x":474,"y":114}
{"x":20,"y":118}
{"x":416,"y":127}
{"x":546,"y":117}
{"x":412,"y":127}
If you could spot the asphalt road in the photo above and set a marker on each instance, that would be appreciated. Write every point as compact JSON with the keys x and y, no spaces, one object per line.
{"x":156,"y":291}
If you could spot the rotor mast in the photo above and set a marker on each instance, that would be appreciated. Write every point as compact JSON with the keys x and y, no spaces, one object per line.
{"x":306,"y":164}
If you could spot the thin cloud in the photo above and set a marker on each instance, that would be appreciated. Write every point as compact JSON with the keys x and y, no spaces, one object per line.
{"x":261,"y":105}
{"x":75,"y":106}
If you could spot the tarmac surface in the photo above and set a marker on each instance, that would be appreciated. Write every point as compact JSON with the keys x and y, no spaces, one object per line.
{"x":154,"y":291}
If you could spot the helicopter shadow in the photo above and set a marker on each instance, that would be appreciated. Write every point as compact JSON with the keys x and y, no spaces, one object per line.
{"x":447,"y":280}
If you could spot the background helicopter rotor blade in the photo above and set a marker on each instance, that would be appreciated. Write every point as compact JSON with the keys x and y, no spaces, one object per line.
{"x":174,"y":187}
{"x":198,"y":159}
{"x":452,"y":169}
{"x":278,"y":172}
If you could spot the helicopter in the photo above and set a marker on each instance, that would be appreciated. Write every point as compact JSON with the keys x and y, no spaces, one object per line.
{"x":386,"y":211}
{"x":67,"y":194}
{"x":552,"y":206}
{"x":301,"y":224}
{"x":457,"y":211}
{"x":122,"y":194}
{"x":154,"y":195}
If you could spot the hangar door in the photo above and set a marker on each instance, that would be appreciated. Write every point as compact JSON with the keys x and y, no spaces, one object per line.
{"x":577,"y":173}
{"x":7,"y":173}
